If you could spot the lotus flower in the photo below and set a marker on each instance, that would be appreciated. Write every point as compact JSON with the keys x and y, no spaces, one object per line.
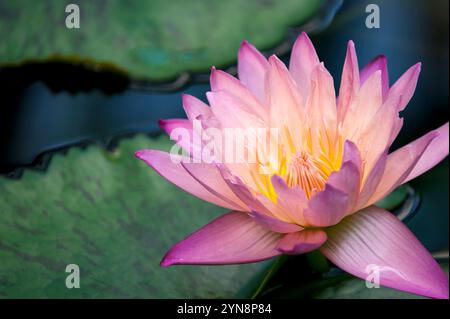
{"x":333,"y":165}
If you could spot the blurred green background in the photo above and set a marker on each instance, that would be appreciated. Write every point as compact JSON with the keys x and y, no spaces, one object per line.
{"x":77,"y":104}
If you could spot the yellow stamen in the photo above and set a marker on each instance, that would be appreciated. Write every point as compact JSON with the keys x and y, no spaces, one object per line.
{"x":305,"y":172}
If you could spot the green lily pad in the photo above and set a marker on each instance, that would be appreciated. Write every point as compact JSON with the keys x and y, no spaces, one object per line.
{"x":154,"y":40}
{"x":115,"y":218}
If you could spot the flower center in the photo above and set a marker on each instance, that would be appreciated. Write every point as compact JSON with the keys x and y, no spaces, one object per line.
{"x":309,"y":174}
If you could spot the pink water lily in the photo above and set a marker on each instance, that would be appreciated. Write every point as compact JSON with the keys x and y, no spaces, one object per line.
{"x":333,"y":166}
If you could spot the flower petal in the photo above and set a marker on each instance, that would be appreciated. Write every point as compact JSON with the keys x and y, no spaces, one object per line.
{"x":162,"y":163}
{"x":303,"y":61}
{"x":349,"y":81}
{"x":292,"y":200}
{"x":185,"y":126}
{"x":233,"y":238}
{"x":375,"y":240}
{"x":194,"y":107}
{"x":379,"y":63}
{"x":370,"y":184}
{"x":222,"y":81}
{"x":341,"y":191}
{"x":321,"y":106}
{"x":286,"y":107}
{"x":348,"y":178}
{"x":434,"y":153}
{"x":209,"y":176}
{"x":405,"y":86}
{"x":400,"y":164}
{"x":252,"y":67}
{"x":228,"y":109}
{"x":327,"y":207}
{"x":302,"y":242}
{"x":274,"y":224}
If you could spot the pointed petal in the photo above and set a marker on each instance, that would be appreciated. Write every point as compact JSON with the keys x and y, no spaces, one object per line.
{"x":303,"y":60}
{"x":194,"y":107}
{"x":379,"y":63}
{"x":169,"y":125}
{"x":434,"y":153}
{"x":375,"y":240}
{"x":321,"y":104}
{"x":229,"y":111}
{"x":350,"y":81}
{"x":405,"y":86}
{"x":222,"y":81}
{"x":274,"y":224}
{"x":208,"y":175}
{"x":233,"y":238}
{"x":302,"y":242}
{"x":400,"y":164}
{"x":174,"y":172}
{"x":180,"y":131}
{"x":285,"y":105}
{"x":364,"y":106}
{"x":252,"y":67}
{"x":377,"y":136}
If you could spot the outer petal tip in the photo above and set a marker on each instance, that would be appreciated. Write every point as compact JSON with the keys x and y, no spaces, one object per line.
{"x":166,"y":262}
{"x":162,"y":123}
{"x":170,"y":260}
{"x":138,"y":154}
{"x":144,"y":155}
{"x":244,"y":43}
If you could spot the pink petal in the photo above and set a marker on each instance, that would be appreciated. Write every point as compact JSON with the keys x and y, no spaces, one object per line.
{"x":372,"y":181}
{"x":434,"y":153}
{"x":243,"y":192}
{"x":209,"y":176}
{"x":329,"y":206}
{"x":303,"y":60}
{"x":222,"y":81}
{"x":252,"y":67}
{"x":274,"y":224}
{"x":233,"y":238}
{"x":194,"y":107}
{"x":400,"y":164}
{"x":286,"y":107}
{"x":363,"y":108}
{"x":348,"y":178}
{"x":326,"y":208}
{"x":162,"y":163}
{"x":169,"y":125}
{"x":292,"y":200}
{"x":349,"y":81}
{"x":374,"y":239}
{"x":377,"y":136}
{"x":302,"y":242}
{"x":379,"y":63}
{"x":184,"y":137}
{"x":228,"y":109}
{"x":405,"y":86}
{"x":321,"y":104}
